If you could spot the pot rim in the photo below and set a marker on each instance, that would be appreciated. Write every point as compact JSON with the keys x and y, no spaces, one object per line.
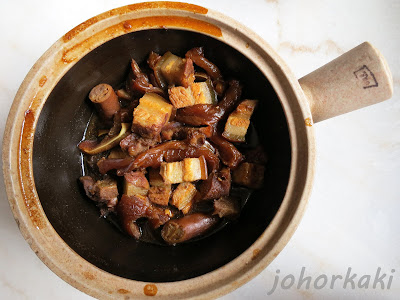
{"x":52,"y":66}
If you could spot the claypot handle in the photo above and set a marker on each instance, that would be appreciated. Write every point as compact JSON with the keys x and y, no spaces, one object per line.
{"x":358,"y":78}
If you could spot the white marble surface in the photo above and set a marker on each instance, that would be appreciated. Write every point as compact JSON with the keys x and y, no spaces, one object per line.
{"x":353,"y":217}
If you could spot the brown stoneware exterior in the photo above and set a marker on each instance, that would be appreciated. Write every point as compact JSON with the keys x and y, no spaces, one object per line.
{"x":352,"y":81}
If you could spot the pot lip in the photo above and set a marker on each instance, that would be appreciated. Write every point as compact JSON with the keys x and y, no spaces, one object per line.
{"x":58,"y":256}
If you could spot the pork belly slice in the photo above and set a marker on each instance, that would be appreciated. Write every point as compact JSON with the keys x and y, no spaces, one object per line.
{"x":181,"y":96}
{"x":187,"y":170}
{"x":176,"y":70}
{"x":194,"y":169}
{"x":149,"y":117}
{"x":238,"y":122}
{"x":135,"y":183}
{"x":172,"y":172}
{"x":203,"y":93}
{"x":183,"y":196}
{"x":197,"y":93}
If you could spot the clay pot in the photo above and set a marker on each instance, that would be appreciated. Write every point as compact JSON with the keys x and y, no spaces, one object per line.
{"x":42,"y":163}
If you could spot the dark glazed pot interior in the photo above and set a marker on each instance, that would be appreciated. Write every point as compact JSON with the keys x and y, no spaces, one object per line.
{"x":56,"y":163}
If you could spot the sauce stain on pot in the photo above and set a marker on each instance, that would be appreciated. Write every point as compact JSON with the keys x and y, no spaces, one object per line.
{"x":26,"y":182}
{"x":133,"y":7}
{"x":89,"y":275}
{"x":123,"y":291}
{"x":96,"y":40}
{"x":42,"y":80}
{"x":256,"y":252}
{"x":150,"y":289}
{"x":81,"y":27}
{"x":166,"y":4}
{"x":308,"y":122}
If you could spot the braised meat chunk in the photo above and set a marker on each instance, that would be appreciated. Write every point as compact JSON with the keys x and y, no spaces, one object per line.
{"x":183,"y":196}
{"x":176,"y":70}
{"x":187,"y":227}
{"x":160,"y":194}
{"x":197,"y":93}
{"x":238,"y":122}
{"x":134,"y":144}
{"x":132,"y":208}
{"x":140,"y":81}
{"x":103,"y":192}
{"x":217,"y":185}
{"x":105,"y":100}
{"x":228,"y":153}
{"x":135,"y":183}
{"x":149,"y":117}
